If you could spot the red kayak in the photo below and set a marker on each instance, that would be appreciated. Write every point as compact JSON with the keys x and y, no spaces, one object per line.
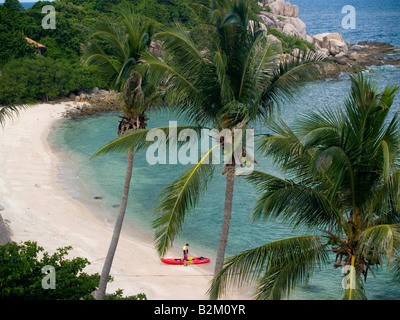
{"x":190,"y":260}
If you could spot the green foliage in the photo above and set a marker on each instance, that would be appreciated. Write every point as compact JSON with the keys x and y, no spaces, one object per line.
{"x":233,"y":83}
{"x":166,"y":11}
{"x":290,"y":42}
{"x":63,"y":42}
{"x":117,"y":295}
{"x":21,"y":274}
{"x":74,"y":21}
{"x":343,"y":178}
{"x":12,"y":41}
{"x":276,"y":265}
{"x":13,"y":5}
{"x":40,"y":78}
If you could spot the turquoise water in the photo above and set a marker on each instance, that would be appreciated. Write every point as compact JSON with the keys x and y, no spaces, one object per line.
{"x":104,"y":176}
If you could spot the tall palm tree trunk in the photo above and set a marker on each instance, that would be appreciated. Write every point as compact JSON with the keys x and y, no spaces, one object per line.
{"x":117,"y":231}
{"x":230,"y":181}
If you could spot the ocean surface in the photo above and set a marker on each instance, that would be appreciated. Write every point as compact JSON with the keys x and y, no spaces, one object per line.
{"x":375,"y":20}
{"x":98,"y":182}
{"x":27,"y":5}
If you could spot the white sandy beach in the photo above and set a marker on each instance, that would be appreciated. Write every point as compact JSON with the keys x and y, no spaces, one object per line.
{"x":39,"y":209}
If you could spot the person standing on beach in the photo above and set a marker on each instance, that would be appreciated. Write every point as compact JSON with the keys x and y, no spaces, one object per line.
{"x":185,"y":254}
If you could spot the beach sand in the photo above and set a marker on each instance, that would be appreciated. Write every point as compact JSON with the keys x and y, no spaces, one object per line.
{"x":38,"y":209}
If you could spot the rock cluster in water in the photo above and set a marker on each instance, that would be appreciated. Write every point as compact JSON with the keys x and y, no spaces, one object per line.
{"x":346,"y":57}
{"x":283,"y":16}
{"x":94,"y":102}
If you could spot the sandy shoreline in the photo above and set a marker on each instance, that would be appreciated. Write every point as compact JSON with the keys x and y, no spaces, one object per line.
{"x":40,"y":210}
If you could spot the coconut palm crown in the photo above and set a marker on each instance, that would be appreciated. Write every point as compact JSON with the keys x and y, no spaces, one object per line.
{"x":229,"y":80}
{"x":342,"y":181}
{"x":117,"y":48}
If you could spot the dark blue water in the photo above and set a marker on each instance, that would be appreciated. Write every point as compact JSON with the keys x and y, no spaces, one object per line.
{"x":104,"y":176}
{"x":27,"y":5}
{"x":375,"y":20}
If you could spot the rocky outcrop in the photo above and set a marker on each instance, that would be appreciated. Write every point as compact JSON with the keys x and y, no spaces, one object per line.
{"x":283,"y":16}
{"x":280,"y":7}
{"x":95,"y":102}
{"x":346,"y":57}
{"x":360,"y":57}
{"x":332,"y":43}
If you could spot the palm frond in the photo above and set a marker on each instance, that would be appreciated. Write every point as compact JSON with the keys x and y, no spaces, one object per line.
{"x":296,"y":203}
{"x":323,"y":127}
{"x":136,"y":141}
{"x":113,"y":35}
{"x":357,"y":293}
{"x":182,"y":86}
{"x":381,"y":240}
{"x":277,"y":267}
{"x":284,"y":146}
{"x":220,"y":62}
{"x":289,"y":76}
{"x":117,"y":47}
{"x":396,"y":268}
{"x":333,"y":166}
{"x":384,"y":205}
{"x":176,"y":201}
{"x":10,"y":111}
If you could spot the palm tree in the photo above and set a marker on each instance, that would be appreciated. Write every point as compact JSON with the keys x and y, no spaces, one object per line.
{"x":117,"y":49}
{"x":342,"y":177}
{"x":228,"y":82}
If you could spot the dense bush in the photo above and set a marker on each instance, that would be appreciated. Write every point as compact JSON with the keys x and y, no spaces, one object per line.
{"x":290,"y":42}
{"x":21,"y":275}
{"x":13,"y":5}
{"x":41,"y":78}
{"x":12,"y":41}
{"x":25,"y":77}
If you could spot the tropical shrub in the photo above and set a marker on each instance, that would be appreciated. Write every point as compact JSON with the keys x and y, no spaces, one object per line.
{"x":21,"y":273}
{"x":40,"y":78}
{"x":290,"y":42}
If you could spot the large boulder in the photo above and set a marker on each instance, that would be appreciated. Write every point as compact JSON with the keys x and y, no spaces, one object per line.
{"x":322,"y":39}
{"x":323,"y":51}
{"x":333,"y":42}
{"x":358,"y":48}
{"x":341,"y":58}
{"x":282,"y":8}
{"x":277,"y":7}
{"x":290,"y":10}
{"x":300,"y":27}
{"x":335,"y":47}
{"x":288,"y":25}
{"x":268,"y":20}
{"x":291,"y":30}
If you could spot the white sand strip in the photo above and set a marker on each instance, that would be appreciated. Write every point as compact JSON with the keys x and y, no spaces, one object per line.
{"x":40,"y":210}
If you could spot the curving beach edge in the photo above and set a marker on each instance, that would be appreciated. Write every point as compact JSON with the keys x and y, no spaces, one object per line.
{"x":36,"y":208}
